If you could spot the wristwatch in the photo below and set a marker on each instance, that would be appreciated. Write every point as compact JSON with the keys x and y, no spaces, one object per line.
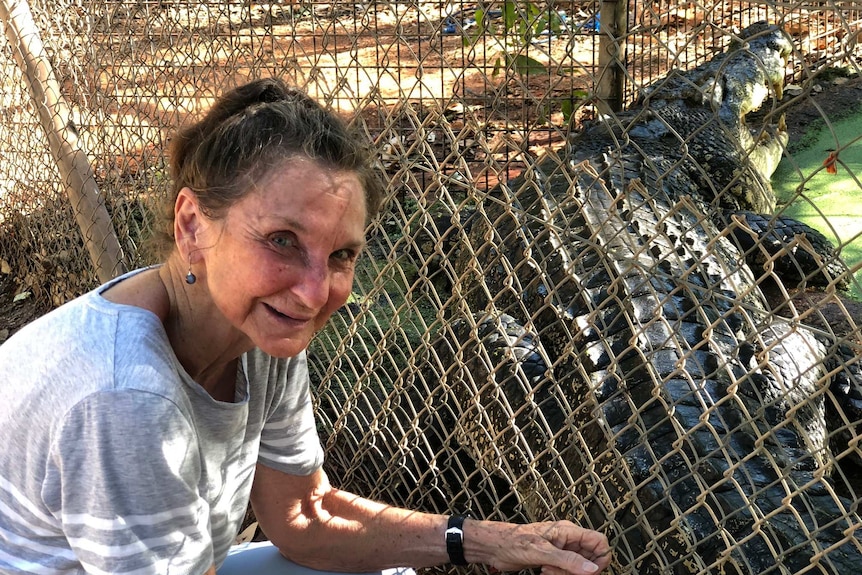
{"x":455,"y":540}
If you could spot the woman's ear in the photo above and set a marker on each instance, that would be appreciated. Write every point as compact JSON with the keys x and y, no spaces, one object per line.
{"x":188,"y":222}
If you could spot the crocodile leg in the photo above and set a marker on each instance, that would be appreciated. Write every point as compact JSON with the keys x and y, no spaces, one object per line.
{"x":797,"y":253}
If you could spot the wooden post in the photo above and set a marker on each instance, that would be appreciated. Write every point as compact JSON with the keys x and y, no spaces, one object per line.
{"x":55,"y":116}
{"x":613,"y":27}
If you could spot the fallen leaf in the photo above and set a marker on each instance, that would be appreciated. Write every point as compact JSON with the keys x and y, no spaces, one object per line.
{"x":21,"y":296}
{"x":247,"y":534}
{"x":829,"y":162}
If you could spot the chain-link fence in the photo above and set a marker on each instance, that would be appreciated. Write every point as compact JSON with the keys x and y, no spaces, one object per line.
{"x":528,"y":338}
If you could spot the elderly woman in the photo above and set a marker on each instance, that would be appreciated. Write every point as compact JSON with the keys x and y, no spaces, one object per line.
{"x":141,"y":417}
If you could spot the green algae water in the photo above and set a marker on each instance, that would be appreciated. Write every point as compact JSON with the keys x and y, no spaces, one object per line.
{"x":828,"y":202}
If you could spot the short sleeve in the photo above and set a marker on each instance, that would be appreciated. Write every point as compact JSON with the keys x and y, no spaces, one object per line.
{"x":122,"y":478}
{"x":289,"y":440}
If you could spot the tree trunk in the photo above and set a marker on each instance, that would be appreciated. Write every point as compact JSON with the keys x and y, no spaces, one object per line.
{"x":55,"y":118}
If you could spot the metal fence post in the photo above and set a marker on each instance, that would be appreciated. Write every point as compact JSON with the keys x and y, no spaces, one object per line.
{"x":612,"y":32}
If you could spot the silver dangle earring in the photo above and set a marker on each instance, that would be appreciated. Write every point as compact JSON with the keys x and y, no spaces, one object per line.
{"x":190,"y":277}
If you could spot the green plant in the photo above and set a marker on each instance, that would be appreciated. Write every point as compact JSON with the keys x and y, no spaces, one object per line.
{"x":511,"y":37}
{"x":521,"y":23}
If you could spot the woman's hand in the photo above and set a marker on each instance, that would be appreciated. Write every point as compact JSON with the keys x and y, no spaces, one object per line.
{"x":558,"y":547}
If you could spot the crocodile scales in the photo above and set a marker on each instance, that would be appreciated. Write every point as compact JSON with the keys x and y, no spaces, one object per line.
{"x":626,"y":346}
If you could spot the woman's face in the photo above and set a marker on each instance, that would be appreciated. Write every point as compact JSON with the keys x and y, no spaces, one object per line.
{"x":282,"y":260}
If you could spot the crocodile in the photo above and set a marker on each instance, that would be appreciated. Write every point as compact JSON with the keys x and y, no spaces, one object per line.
{"x":613,"y":359}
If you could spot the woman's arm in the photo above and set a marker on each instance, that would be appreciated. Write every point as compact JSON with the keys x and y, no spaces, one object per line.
{"x":322,"y":527}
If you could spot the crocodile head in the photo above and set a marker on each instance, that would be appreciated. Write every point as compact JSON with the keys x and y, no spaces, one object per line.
{"x":751,"y":72}
{"x":705,"y":109}
{"x":734,"y":82}
{"x":752,"y":69}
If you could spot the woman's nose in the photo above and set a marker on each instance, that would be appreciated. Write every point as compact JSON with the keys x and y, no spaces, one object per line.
{"x":312,"y":287}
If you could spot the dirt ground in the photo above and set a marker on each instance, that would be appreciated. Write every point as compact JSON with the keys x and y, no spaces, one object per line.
{"x":837,"y":99}
{"x":833,"y":100}
{"x":15,"y":314}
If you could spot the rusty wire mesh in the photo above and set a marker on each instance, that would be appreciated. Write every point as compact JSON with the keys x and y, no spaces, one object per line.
{"x":468,"y":372}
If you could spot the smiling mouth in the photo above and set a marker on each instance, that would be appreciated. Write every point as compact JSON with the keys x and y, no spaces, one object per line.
{"x":285,"y":317}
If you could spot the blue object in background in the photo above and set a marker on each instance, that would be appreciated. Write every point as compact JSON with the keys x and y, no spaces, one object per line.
{"x":593,"y":24}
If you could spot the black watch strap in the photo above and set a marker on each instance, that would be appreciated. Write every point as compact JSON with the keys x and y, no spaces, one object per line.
{"x":455,"y":540}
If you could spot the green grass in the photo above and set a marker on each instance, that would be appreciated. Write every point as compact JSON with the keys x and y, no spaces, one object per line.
{"x":830,"y":203}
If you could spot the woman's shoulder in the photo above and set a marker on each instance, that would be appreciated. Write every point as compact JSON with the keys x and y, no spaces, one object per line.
{"x":85,"y":345}
{"x":82,"y":327}
{"x":83,"y":349}
{"x":142,"y":289}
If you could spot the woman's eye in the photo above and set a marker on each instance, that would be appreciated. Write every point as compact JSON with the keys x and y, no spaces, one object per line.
{"x":282,"y":241}
{"x":345,"y":255}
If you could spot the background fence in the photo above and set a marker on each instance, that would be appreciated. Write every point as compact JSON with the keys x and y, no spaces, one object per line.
{"x":455,"y":98}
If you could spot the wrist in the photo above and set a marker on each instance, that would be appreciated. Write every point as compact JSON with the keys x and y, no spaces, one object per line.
{"x":455,"y":540}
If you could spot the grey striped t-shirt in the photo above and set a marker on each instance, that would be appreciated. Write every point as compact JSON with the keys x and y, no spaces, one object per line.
{"x":115,"y":461}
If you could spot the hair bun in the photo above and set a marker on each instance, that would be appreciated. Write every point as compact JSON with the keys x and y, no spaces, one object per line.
{"x":273,"y":91}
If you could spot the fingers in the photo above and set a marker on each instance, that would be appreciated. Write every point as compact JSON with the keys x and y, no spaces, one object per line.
{"x":568,"y":562}
{"x":578,"y":551}
{"x":559,"y":548}
{"x":586,"y":568}
{"x":577,"y":565}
